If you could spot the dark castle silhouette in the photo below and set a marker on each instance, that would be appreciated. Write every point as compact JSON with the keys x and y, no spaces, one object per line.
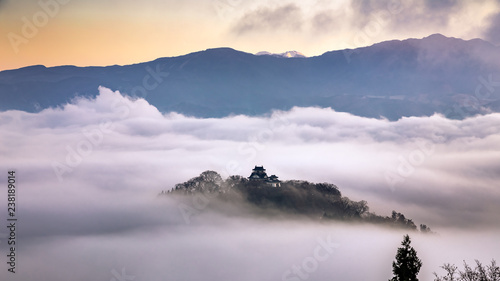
{"x":259,"y":174}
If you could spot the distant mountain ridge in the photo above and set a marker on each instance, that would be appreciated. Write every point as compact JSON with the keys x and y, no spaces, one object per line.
{"x":287,"y":54}
{"x":413,"y":77}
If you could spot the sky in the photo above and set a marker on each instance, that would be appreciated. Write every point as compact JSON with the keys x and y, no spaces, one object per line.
{"x":89,"y":173}
{"x":109,"y":32}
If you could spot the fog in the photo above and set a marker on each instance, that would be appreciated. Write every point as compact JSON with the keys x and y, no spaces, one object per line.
{"x":88,"y":174}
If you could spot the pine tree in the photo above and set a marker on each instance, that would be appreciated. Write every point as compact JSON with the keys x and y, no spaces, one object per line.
{"x":407,"y":264}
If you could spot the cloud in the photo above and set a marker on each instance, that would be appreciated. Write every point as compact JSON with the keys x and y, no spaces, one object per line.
{"x":115,"y":154}
{"x":442,"y":4}
{"x":410,"y":16}
{"x":403,"y":162}
{"x":493,"y":31}
{"x":286,"y":17}
{"x":324,"y":21}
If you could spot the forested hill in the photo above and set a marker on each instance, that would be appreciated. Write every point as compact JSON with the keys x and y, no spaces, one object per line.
{"x":322,"y":201}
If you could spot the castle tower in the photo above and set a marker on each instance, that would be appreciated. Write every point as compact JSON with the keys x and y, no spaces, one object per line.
{"x":258,"y":173}
{"x":274,"y":181}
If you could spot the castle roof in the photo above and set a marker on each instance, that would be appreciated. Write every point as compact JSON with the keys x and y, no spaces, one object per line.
{"x":259,"y":168}
{"x":259,"y":173}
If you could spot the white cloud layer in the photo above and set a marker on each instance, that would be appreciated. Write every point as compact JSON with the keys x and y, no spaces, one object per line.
{"x":88,"y":174}
{"x":315,"y":27}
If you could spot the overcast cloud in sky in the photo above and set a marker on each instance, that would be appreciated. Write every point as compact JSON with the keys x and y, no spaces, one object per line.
{"x":89,"y":172}
{"x":123,"y":32}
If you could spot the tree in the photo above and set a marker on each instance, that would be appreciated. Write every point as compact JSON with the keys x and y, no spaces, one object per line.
{"x":407,"y":264}
{"x":480,"y":273}
{"x":425,"y":229}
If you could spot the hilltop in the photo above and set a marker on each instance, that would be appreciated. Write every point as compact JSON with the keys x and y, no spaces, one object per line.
{"x":270,"y":197}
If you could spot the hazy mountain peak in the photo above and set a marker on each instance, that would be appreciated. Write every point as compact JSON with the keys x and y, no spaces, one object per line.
{"x":444,"y":41}
{"x":436,"y":36}
{"x":287,"y":54}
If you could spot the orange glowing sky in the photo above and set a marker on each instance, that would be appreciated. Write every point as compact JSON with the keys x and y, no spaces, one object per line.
{"x":107,"y":32}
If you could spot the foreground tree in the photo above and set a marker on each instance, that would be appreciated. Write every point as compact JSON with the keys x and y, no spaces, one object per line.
{"x":407,"y":264}
{"x":480,"y":273}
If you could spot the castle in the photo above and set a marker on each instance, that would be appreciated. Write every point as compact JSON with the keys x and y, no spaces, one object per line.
{"x":259,"y":174}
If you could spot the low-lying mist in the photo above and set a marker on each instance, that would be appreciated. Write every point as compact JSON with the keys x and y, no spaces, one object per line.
{"x":148,"y":239}
{"x":88,"y":175}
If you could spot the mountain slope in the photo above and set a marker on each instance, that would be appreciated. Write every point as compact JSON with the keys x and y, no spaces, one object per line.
{"x":412,"y":77}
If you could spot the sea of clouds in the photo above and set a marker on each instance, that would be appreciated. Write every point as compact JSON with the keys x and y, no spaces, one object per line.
{"x":88,"y":174}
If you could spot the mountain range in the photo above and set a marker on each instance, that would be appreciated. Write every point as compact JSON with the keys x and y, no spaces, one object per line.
{"x":391,"y":79}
